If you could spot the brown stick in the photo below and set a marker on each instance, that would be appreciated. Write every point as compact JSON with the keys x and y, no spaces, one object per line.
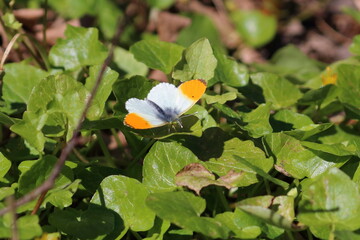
{"x":39,"y":202}
{"x":48,"y":184}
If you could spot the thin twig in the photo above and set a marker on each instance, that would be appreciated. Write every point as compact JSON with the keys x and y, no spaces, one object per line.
{"x":14,"y":230}
{"x":7,"y":50}
{"x":38,"y":203}
{"x":48,"y":184}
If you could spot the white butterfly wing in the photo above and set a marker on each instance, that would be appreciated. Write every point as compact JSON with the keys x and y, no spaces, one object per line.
{"x":143,"y":109}
{"x":164,"y":95}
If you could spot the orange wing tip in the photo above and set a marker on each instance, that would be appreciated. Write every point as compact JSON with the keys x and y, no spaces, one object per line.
{"x":135,"y":121}
{"x":193,"y":89}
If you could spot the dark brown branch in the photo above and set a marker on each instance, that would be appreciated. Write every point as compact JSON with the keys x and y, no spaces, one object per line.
{"x":49,"y":183}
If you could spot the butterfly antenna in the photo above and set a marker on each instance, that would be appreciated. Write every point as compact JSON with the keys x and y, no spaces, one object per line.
{"x":179,"y":122}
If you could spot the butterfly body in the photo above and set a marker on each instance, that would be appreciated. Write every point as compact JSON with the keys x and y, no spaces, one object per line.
{"x":164,"y":104}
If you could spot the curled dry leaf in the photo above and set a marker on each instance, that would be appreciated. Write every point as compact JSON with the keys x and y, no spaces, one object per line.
{"x":195,"y":177}
{"x":282,"y":170}
{"x":232,"y":178}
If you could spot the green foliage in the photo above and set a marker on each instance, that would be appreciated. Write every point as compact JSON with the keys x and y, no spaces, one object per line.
{"x":255,"y":36}
{"x":184,"y":210}
{"x":82,"y":45}
{"x":156,"y":54}
{"x":327,"y":205}
{"x":198,"y":62}
{"x":160,"y":166}
{"x":268,"y":152}
{"x":126,"y":197}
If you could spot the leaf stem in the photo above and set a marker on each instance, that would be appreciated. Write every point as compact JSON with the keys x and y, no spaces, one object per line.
{"x":136,"y":235}
{"x":267,"y":187}
{"x":290,"y":235}
{"x":104,"y":149}
{"x":223,"y":200}
{"x":117,"y":139}
{"x":309,"y":235}
{"x":148,"y":145}
{"x":265,"y":148}
{"x":80,"y":156}
{"x":45,"y":21}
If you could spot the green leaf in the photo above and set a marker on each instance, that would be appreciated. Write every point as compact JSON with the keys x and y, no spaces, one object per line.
{"x":306,"y":132}
{"x":255,"y":27}
{"x":210,"y":99}
{"x":28,"y":227}
{"x":80,"y":48}
{"x":262,"y":173}
{"x":291,"y":62}
{"x":10,"y":21}
{"x":198,"y":62}
{"x":88,"y":224}
{"x":124,"y":89}
{"x":162,"y":163}
{"x":107,"y":123}
{"x":126,"y":196}
{"x":280,"y":92}
{"x":277,"y":211}
{"x":257,"y":121}
{"x":5,"y":165}
{"x":73,"y":9}
{"x":108,"y":14}
{"x":28,"y":128}
{"x":338,"y":134}
{"x":62,"y":196}
{"x":201,"y":27}
{"x":104,"y":88}
{"x":55,"y":105}
{"x":238,"y":225}
{"x":355,"y":45}
{"x":321,"y":96}
{"x":126,"y":61}
{"x":5,"y":192}
{"x":160,"y":4}
{"x":6,"y":120}
{"x":292,"y":159}
{"x":327,"y":204}
{"x":184,"y":209}
{"x":159,"y":229}
{"x":349,"y":84}
{"x":346,"y":235}
{"x":207,"y":121}
{"x":18,"y":150}
{"x":227,"y":162}
{"x":229,"y":71}
{"x":157,"y":54}
{"x":61,"y":193}
{"x":91,"y":176}
{"x":287,"y":120}
{"x":19,"y":81}
{"x":337,"y":149}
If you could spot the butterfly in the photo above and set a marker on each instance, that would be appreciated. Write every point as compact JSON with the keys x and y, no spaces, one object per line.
{"x":164,"y":104}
